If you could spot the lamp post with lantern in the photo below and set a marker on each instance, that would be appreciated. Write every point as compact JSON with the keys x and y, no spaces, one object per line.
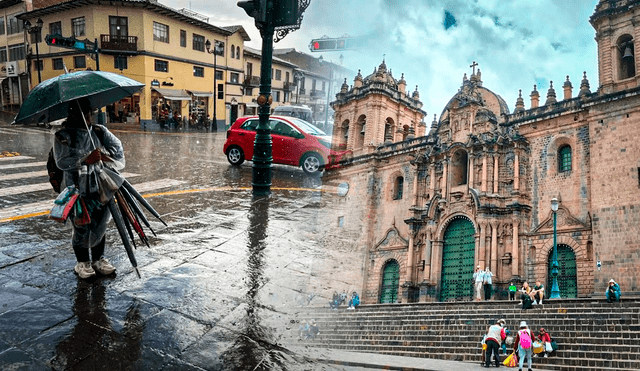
{"x":37,"y":31}
{"x":218,"y":49}
{"x":555,"y":289}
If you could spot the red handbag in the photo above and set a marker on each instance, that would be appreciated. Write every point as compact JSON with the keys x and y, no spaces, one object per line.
{"x":63,"y":205}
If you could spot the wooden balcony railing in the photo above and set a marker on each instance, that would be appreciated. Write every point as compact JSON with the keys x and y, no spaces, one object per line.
{"x":117,"y":42}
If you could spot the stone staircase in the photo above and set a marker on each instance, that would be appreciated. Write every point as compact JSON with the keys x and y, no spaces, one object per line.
{"x":591,"y":334}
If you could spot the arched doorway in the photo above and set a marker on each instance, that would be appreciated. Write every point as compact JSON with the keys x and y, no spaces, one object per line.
{"x":390,"y":282}
{"x":567,"y":273}
{"x":458,"y":256}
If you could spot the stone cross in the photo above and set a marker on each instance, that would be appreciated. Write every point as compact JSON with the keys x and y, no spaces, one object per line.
{"x":473,"y":65}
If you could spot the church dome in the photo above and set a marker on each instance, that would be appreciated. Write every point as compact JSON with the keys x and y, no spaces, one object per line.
{"x":472,"y":92}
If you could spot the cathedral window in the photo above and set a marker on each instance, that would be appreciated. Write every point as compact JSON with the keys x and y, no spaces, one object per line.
{"x":626,"y":57}
{"x":459,"y":163}
{"x":564,"y":159}
{"x":397,"y":188}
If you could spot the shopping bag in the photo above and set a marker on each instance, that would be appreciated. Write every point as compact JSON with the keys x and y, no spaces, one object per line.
{"x":538,"y":347}
{"x":484,"y":346}
{"x":511,"y":360}
{"x":547,"y":347}
{"x":63,"y":205}
{"x":554,"y":345}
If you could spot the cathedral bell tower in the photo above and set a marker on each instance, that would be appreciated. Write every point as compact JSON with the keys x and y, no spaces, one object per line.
{"x":617,"y":25}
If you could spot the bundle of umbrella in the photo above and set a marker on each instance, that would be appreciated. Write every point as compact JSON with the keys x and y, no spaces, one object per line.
{"x":49,"y":101}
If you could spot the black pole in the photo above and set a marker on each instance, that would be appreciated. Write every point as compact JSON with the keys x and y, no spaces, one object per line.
{"x":97,"y":51}
{"x":262,"y":146}
{"x":38,"y":57}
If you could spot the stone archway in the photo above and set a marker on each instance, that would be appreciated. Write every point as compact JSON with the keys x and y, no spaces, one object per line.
{"x":390,"y":282}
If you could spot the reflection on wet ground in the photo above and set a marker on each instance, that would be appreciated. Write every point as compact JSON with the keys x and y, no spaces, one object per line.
{"x":221,"y":286}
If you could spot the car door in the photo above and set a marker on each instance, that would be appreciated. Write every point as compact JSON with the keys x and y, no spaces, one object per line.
{"x":246,"y":137}
{"x":286,"y":142}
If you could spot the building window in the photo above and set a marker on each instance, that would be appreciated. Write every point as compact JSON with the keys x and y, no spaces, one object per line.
{"x":285,"y":97}
{"x":79,"y":61}
{"x":286,"y":78}
{"x":220,"y":91}
{"x":198,"y":71}
{"x":278,"y":75}
{"x":118,"y":26}
{"x":233,"y":51}
{"x":161,"y":66}
{"x":235,"y":77}
{"x":3,"y":54}
{"x":160,"y":32}
{"x":183,"y":38}
{"x":1,"y":25}
{"x":249,"y":70}
{"x":218,"y":75}
{"x":14,"y":25}
{"x":198,"y":42}
{"x":237,"y":52}
{"x":276,"y":96}
{"x":626,"y":57}
{"x":313,"y":85}
{"x":38,"y":65}
{"x":248,"y":91}
{"x":55,"y":28}
{"x":16,"y":52}
{"x":58,"y":64}
{"x":323,"y":85}
{"x":77,"y":27}
{"x":398,"y":185}
{"x":564,"y":159}
{"x":120,"y":62}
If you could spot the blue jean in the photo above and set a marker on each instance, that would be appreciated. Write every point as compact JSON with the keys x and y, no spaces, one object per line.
{"x":524,"y":353}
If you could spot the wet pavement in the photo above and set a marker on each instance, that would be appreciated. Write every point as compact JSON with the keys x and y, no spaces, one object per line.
{"x":220,"y":285}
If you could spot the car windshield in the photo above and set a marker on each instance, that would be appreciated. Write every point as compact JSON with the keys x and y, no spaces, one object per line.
{"x":307,"y":127}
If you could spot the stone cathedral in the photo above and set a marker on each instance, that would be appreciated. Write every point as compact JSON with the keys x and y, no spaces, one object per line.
{"x":424,"y":204}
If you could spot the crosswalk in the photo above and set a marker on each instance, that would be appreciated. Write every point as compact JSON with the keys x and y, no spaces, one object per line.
{"x":29,"y":190}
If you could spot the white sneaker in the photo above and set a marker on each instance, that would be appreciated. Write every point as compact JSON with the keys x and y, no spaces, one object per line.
{"x":103,"y":267}
{"x":84,"y":270}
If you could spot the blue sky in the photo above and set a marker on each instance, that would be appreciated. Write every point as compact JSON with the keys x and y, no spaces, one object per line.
{"x":517,"y":43}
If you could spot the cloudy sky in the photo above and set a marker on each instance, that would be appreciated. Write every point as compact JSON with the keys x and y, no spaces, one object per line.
{"x":517,"y":43}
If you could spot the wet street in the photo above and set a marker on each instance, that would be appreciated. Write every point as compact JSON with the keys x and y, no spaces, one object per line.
{"x":222,"y":286}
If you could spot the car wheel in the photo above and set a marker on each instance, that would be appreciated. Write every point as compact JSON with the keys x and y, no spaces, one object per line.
{"x":235,"y":155}
{"x":311,"y":163}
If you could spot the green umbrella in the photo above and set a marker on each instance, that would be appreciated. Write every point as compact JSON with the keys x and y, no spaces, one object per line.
{"x":49,"y":101}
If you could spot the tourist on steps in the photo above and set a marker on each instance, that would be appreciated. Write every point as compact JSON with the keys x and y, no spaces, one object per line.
{"x":523,"y":345}
{"x":545,"y":338}
{"x":613,"y":291}
{"x":478,"y":279}
{"x":512,"y":291}
{"x":526,"y":299}
{"x":495,"y":336}
{"x":537,"y":293}
{"x":487,"y":281}
{"x":335,"y":301}
{"x":354,"y":301}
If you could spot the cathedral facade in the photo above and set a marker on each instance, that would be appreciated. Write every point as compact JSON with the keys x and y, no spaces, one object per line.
{"x":426,"y":204}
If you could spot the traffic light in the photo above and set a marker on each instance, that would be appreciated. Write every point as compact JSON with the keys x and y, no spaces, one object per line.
{"x":284,"y":13}
{"x":256,"y":9}
{"x":69,"y":42}
{"x":341,"y":43}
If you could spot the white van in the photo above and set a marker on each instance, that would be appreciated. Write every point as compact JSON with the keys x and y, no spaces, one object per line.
{"x":301,"y":112}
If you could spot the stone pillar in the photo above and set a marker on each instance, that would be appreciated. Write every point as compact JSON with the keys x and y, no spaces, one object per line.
{"x":409,"y":273}
{"x":415,"y":188}
{"x":496,"y":159}
{"x":436,"y":260}
{"x":484,"y":173}
{"x":483,"y":239}
{"x":470,"y":172}
{"x":445,"y":177}
{"x":432,"y":176}
{"x":494,"y":247}
{"x":426,"y":275}
{"x":516,"y":172}
{"x":515,"y":254}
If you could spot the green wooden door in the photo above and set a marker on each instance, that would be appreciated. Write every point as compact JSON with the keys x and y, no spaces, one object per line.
{"x":390,"y":282}
{"x":567,"y":273}
{"x":457,"y":261}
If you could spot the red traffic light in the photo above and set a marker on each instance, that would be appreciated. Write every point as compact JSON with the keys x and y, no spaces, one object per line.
{"x":316,"y":45}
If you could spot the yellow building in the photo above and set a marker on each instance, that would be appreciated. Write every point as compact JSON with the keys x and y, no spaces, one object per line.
{"x":149,"y":42}
{"x":13,"y":67}
{"x":281,"y":80}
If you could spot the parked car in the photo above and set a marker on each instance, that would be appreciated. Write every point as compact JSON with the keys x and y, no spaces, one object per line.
{"x":294,"y":142}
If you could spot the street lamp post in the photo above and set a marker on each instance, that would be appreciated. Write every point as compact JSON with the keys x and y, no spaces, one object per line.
{"x":555,"y":289}
{"x":37,"y":29}
{"x":326,"y":108}
{"x":218,"y":49}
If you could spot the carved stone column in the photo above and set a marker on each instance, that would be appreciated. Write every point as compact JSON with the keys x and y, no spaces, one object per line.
{"x":483,"y":239}
{"x":494,"y":247}
{"x":470,"y":171}
{"x":516,"y":171}
{"x":496,"y":160}
{"x":410,"y":268}
{"x":426,"y":275}
{"x":515,"y":254}
{"x":445,"y":178}
{"x":436,"y":260}
{"x":484,"y":173}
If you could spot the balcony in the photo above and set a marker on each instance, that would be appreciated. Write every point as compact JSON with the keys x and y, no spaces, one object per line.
{"x":288,"y":86}
{"x":302,"y":91}
{"x":317,"y":94}
{"x":119,"y":43}
{"x":251,"y":81}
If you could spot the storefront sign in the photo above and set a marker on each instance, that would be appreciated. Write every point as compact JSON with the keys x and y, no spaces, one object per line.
{"x":155,"y":82}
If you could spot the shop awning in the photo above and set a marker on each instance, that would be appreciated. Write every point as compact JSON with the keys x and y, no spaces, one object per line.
{"x":173,"y":94}
{"x":205,"y":94}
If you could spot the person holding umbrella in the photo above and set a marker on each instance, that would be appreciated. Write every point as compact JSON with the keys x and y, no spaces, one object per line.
{"x":78,"y":147}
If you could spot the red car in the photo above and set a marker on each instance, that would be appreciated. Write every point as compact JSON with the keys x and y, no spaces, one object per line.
{"x":294,"y":142}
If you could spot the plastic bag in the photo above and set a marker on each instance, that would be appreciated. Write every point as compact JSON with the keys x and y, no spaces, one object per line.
{"x":63,"y":205}
{"x":511,"y":360}
{"x":538,"y":347}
